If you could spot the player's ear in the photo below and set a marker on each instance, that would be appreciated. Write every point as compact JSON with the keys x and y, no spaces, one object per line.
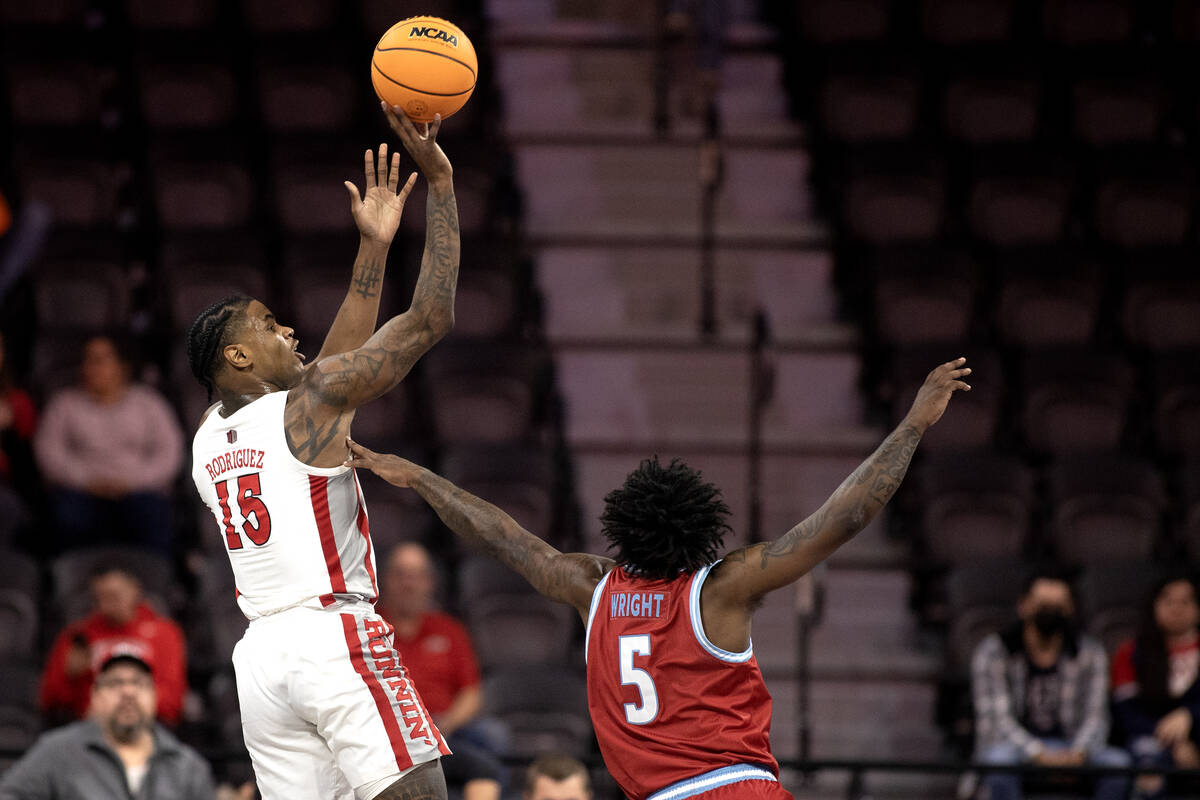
{"x":237,"y":357}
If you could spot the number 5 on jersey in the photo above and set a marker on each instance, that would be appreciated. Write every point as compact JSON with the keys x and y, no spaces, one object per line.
{"x":647,"y":710}
{"x":248,"y":490}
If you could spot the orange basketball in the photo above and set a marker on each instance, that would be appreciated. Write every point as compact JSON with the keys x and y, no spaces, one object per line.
{"x":426,"y":66}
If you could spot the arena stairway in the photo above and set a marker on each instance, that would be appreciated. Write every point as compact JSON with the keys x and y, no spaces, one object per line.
{"x":612,"y":213}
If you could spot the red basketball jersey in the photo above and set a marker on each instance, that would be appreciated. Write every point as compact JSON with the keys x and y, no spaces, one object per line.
{"x":667,"y":704}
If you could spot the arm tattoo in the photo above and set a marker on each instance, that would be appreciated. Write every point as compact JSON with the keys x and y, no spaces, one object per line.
{"x":317,"y":416}
{"x":367,"y":279}
{"x":858,"y":499}
{"x":482,"y":524}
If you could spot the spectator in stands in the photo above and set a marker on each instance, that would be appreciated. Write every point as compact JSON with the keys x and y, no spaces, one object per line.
{"x":112,"y":449}
{"x":438,"y":654}
{"x":1041,"y":693}
{"x":120,"y":617}
{"x":17,"y":422}
{"x":1156,"y":684}
{"x":118,"y":752}
{"x":554,"y":776}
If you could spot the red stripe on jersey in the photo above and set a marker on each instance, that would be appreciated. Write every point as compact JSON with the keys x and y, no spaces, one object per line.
{"x":364,"y":527}
{"x":318,"y":488}
{"x":327,"y":600}
{"x":355,"y":646}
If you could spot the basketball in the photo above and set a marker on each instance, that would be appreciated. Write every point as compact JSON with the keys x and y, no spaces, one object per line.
{"x":426,"y":66}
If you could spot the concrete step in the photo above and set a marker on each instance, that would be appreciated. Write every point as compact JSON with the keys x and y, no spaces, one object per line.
{"x":648,"y":192}
{"x":700,"y":396}
{"x":652,"y":294}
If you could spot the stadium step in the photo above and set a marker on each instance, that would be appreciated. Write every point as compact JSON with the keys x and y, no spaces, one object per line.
{"x":648,"y":295}
{"x":620,"y":192}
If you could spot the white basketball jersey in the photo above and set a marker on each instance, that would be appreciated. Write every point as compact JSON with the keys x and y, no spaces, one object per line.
{"x":296,"y":535}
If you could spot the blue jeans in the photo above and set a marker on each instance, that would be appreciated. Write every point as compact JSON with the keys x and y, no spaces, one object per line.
{"x":1007,"y":786}
{"x":142,"y":519}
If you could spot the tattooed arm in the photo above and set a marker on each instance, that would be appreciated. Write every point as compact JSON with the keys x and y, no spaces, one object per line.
{"x":565,"y":577}
{"x":320,"y":408}
{"x":746,"y":575}
{"x":377,"y":215}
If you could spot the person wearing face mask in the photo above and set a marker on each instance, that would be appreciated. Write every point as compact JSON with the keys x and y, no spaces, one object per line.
{"x":1156,"y":684}
{"x":1040,"y":692}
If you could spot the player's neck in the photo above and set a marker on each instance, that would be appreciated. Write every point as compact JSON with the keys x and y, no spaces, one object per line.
{"x":233,"y":400}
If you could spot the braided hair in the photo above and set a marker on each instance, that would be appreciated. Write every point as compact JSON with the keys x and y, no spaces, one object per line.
{"x":208,"y":335}
{"x":664,"y":520}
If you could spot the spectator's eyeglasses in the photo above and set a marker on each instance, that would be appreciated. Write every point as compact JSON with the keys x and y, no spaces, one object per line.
{"x":138,"y":682}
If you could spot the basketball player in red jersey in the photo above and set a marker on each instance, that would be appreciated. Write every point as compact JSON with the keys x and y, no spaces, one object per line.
{"x":675,"y":694}
{"x":327,"y":708}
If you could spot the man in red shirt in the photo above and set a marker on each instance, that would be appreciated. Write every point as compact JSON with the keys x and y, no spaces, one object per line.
{"x":120,"y":619}
{"x":438,"y":655}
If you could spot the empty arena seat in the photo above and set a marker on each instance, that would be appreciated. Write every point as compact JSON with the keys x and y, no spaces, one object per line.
{"x":1075,"y":400}
{"x":869,"y":108}
{"x":1188,"y":521}
{"x":894,"y":208}
{"x":545,"y":708}
{"x":522,"y":480}
{"x":482,"y":392}
{"x":56,"y":12}
{"x":1087,"y":22}
{"x":289,"y":16}
{"x":180,"y":94}
{"x":81,"y":295}
{"x":1105,"y":508}
{"x":193,"y":194}
{"x":520,"y":629}
{"x":302,"y":180}
{"x":59,"y":94}
{"x":80,"y":192}
{"x":1112,"y":597}
{"x":976,"y":505}
{"x":72,"y":573}
{"x":1107,"y":113}
{"x":486,"y":304}
{"x":379,"y":15}
{"x":1048,"y":299}
{"x":20,"y":606}
{"x":196,"y":278}
{"x":1163,"y":312}
{"x":306,"y":96}
{"x":988,"y":110}
{"x":962,"y":22}
{"x":971,"y":421}
{"x":1014,"y":209}
{"x":178,"y":14}
{"x":1177,"y":402}
{"x":924,"y":296}
{"x":1145,"y":210}
{"x":20,"y":721}
{"x":842,"y":21}
{"x":15,"y":517}
{"x":981,"y":596}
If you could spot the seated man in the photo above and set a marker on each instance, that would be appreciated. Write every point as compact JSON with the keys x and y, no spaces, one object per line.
{"x":111,"y":449}
{"x":557,"y":777}
{"x":438,"y":655}
{"x":120,"y":618}
{"x":118,"y":751}
{"x":1041,"y":693}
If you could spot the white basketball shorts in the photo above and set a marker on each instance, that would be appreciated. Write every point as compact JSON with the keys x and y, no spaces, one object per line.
{"x":327,"y":707}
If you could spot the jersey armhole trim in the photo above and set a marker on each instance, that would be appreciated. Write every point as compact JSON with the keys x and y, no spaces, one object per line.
{"x":698,"y":622}
{"x":596,"y":593}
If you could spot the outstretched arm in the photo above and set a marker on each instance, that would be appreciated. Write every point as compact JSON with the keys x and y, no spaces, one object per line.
{"x":318,"y":409}
{"x":747,"y":574}
{"x":565,"y":577}
{"x":377,"y":214}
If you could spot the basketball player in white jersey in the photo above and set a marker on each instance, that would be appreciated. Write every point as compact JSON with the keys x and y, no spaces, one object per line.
{"x":327,"y":708}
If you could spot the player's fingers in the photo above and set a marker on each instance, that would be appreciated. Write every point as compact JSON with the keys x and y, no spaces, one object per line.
{"x":393,"y":116}
{"x":408,"y":187}
{"x":958,"y":362}
{"x":381,"y":165}
{"x":437,"y":126}
{"x":958,"y":373}
{"x":394,"y":172}
{"x":956,"y":385}
{"x":369,"y":168}
{"x":355,"y":198}
{"x":405,"y":124}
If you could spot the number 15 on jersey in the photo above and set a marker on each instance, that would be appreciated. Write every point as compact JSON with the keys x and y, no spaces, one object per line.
{"x":647,"y":710}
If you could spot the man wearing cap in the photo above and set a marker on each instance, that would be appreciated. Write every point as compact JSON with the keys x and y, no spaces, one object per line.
{"x":119,"y":752}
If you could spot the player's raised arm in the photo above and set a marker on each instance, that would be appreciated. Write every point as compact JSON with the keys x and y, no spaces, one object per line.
{"x":377,"y":214}
{"x":751,"y":572}
{"x":565,"y":577}
{"x":317,"y":417}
